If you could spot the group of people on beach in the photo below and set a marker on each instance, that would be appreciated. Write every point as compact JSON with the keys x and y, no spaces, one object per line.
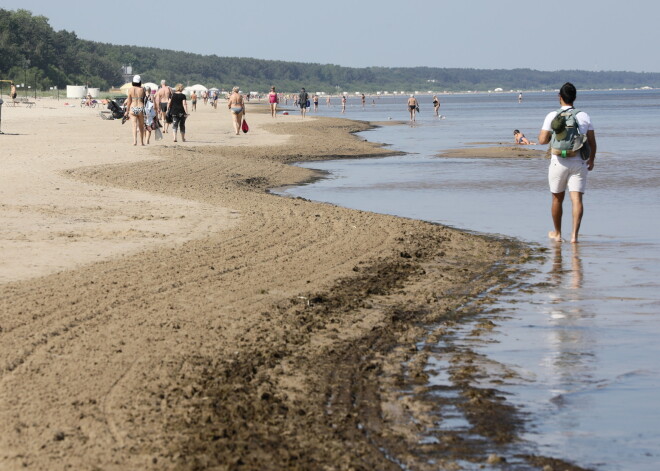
{"x":413,"y":107}
{"x":568,"y":167}
{"x":149,"y":112}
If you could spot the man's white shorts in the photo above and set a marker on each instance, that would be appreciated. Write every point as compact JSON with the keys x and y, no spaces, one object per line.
{"x":569,"y":172}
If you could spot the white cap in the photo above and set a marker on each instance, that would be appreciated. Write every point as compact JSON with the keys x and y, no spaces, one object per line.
{"x":137,"y":79}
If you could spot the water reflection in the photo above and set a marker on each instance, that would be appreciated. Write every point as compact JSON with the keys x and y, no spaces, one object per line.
{"x":576,"y":274}
{"x":572,"y":344}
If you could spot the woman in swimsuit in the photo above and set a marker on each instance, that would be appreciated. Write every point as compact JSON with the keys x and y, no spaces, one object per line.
{"x":237,"y":108}
{"x":436,"y":105}
{"x":135,"y":108}
{"x":272,"y":99}
{"x":519,"y":138}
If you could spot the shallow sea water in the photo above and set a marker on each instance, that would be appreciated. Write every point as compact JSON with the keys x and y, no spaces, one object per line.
{"x":584,"y":337}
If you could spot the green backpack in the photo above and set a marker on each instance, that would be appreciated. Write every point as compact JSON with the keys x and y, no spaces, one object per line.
{"x":566,"y":135}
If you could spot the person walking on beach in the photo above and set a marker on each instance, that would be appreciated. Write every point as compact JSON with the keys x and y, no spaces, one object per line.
{"x":178,"y":107}
{"x":567,"y":167}
{"x":364,"y":100}
{"x":412,"y":107}
{"x":302,"y":100}
{"x":150,"y":115}
{"x":12,"y":92}
{"x":436,"y":105}
{"x":237,"y":108}
{"x":315,"y":99}
{"x":273,"y":100}
{"x":343,"y":103}
{"x":163,"y":96}
{"x":135,"y":108}
{"x":193,"y":100}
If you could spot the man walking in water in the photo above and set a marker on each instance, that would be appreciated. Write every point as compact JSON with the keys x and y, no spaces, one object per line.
{"x":302,"y":101}
{"x":412,"y":107}
{"x":567,"y":168}
{"x":162,"y":99}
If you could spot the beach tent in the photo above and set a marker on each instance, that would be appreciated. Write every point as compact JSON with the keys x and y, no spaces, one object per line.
{"x":124,"y":88}
{"x":199,"y":88}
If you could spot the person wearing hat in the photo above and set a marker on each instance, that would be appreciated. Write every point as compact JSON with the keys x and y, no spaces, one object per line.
{"x":135,"y":108}
{"x":302,"y":101}
{"x":569,"y":171}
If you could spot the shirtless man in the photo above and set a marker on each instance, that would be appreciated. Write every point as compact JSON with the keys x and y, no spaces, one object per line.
{"x":12,"y":92}
{"x":412,"y":107}
{"x":162,"y":99}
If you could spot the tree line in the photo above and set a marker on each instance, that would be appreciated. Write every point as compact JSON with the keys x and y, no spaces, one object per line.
{"x":30,"y":48}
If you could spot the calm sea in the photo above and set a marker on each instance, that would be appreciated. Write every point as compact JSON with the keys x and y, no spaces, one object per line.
{"x":586,"y":340}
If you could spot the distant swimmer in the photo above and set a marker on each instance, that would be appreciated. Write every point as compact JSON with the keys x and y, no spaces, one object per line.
{"x":436,"y":105}
{"x":343,"y":104}
{"x":520,"y":97}
{"x":413,"y":107}
{"x":364,"y":100}
{"x":572,"y":158}
{"x":519,"y":138}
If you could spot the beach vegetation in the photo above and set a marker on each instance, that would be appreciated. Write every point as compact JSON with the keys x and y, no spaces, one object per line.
{"x":33,"y":51}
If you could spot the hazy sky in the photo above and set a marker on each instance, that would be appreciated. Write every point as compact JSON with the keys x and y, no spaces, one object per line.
{"x":543,"y":35}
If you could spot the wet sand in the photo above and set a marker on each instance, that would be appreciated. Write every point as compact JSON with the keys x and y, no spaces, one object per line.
{"x":501,"y":151}
{"x":162,"y":310}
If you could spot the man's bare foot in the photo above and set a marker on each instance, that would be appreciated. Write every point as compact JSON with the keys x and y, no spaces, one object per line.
{"x":554,"y":235}
{"x":574,"y":240}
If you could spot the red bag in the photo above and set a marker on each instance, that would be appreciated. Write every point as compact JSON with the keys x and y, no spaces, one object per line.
{"x":246,"y":128}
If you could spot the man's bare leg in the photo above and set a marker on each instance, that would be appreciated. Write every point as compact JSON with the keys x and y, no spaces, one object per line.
{"x":557,"y":212}
{"x":578,"y":211}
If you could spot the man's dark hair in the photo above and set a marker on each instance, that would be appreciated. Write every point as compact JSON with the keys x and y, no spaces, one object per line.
{"x":567,"y":92}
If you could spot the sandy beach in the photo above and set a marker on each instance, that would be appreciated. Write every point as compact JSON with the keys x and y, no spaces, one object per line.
{"x":160,"y":309}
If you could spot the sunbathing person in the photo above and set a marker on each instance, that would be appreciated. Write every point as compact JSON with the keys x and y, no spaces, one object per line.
{"x":520,"y":138}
